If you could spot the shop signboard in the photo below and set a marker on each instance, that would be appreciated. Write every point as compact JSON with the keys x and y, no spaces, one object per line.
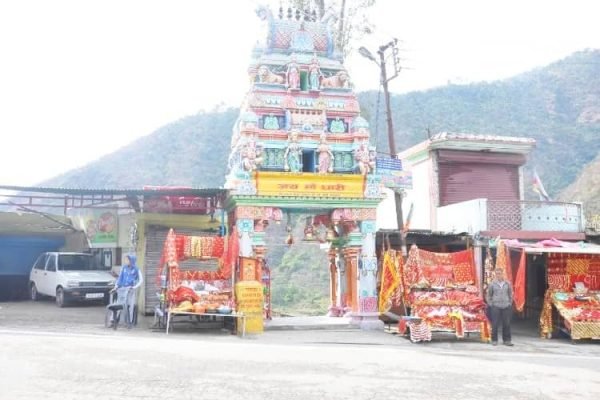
{"x":174,"y":204}
{"x":250,"y":302}
{"x":392,"y":174}
{"x":310,"y":185}
{"x":101,"y":226}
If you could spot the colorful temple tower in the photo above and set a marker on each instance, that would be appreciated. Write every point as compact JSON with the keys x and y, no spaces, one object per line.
{"x":300,"y":145}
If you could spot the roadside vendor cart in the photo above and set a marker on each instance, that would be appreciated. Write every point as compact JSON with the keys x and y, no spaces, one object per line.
{"x":441,"y":295}
{"x":199,"y":295}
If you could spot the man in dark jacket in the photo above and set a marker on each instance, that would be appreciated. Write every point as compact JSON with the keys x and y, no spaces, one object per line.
{"x":500,"y":298}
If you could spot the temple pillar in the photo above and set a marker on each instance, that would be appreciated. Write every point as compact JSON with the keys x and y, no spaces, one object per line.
{"x":340,"y":300}
{"x":351,"y":266}
{"x":332,"y":282}
{"x":362,"y":265}
{"x":245,"y":230}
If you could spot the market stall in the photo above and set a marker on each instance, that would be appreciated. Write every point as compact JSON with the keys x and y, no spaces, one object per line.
{"x":198,"y":294}
{"x":441,"y":294}
{"x":572,"y":301}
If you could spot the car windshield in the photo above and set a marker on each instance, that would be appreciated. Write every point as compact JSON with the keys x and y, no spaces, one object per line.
{"x":77,"y":262}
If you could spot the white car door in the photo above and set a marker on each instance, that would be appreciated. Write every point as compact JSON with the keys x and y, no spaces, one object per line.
{"x":49,"y":285}
{"x":38,"y":271}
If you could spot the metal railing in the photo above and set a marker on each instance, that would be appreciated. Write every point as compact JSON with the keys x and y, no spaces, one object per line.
{"x":534,"y":216}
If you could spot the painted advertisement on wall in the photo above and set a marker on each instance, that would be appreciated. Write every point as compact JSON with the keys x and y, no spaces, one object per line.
{"x":101,"y":227}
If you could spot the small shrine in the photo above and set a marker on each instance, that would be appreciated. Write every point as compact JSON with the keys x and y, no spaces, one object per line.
{"x":300,"y":145}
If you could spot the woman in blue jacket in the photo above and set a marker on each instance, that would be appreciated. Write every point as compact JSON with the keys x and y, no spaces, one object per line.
{"x":130,"y":279}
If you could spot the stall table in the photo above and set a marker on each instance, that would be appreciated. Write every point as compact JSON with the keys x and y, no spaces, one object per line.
{"x":239,"y":316}
{"x":578,"y":319}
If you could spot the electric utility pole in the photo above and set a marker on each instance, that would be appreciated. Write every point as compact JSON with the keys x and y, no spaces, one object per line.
{"x":384,"y":79}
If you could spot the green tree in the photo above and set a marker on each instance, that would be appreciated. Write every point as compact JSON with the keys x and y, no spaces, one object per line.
{"x":352,"y":19}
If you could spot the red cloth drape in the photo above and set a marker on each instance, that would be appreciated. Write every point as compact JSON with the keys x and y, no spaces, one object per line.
{"x":439,"y":268}
{"x":519,"y":285}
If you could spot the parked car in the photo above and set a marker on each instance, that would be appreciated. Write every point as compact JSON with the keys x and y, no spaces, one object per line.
{"x":69,"y":277}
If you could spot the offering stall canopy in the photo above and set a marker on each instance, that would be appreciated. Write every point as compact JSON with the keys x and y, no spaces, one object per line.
{"x":572,"y":280}
{"x":198,"y":291}
{"x":442,"y":294}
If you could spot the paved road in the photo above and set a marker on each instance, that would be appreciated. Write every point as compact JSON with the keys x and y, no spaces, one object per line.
{"x":49,"y":362}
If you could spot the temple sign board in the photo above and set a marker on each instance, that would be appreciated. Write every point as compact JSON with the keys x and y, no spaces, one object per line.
{"x":392,"y":174}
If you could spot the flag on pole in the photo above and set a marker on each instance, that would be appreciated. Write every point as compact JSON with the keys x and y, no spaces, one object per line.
{"x":538,"y":187}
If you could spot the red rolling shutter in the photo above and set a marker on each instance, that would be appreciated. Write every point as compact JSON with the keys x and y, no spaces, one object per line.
{"x":461,"y":181}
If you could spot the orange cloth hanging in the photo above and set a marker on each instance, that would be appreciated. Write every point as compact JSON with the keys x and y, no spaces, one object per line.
{"x":503,"y":260}
{"x":520,"y":281}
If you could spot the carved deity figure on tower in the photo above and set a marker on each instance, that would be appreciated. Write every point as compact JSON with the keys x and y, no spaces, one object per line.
{"x":293,"y":75}
{"x":325,"y":156}
{"x":314,"y":75}
{"x":251,"y":155}
{"x":364,"y":158}
{"x":293,"y":154}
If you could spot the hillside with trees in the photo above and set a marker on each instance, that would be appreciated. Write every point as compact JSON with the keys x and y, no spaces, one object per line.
{"x":558,"y":105}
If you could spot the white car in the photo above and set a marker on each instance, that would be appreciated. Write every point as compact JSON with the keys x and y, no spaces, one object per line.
{"x":69,"y":276}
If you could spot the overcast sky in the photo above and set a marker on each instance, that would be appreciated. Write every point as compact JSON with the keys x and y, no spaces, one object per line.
{"x":80,"y":79}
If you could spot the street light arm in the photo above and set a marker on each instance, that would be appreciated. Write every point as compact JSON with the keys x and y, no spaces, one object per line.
{"x":363,"y":51}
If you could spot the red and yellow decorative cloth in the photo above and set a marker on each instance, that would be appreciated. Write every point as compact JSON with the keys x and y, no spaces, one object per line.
{"x":439,"y":269}
{"x":390,"y":279}
{"x":565,"y":269}
{"x":451,"y":311}
{"x":181,"y":247}
{"x":581,"y":317}
{"x":448,"y":310}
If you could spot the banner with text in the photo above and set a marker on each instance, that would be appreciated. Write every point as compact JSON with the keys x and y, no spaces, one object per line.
{"x":392,"y":174}
{"x":310,"y":185}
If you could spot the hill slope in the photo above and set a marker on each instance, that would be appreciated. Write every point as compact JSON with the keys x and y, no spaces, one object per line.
{"x":558,"y":105}
{"x":192,"y":151}
{"x":586,"y":189}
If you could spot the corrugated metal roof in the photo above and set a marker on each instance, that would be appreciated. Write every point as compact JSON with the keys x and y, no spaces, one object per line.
{"x":469,"y":142}
{"x":19,"y":223}
{"x":442,"y":136}
{"x":206,"y":192}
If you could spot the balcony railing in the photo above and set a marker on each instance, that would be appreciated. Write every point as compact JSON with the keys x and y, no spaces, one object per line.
{"x":504,"y":215}
{"x":534,"y":216}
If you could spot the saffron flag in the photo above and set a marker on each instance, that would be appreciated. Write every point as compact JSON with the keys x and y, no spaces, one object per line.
{"x":519,"y":292}
{"x":390,"y":280}
{"x":538,"y":187}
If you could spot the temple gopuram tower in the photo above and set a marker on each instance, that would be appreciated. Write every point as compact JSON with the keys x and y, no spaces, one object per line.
{"x":301,"y":146}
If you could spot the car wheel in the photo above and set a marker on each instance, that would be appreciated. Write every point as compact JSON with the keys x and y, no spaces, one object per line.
{"x":60,"y":297}
{"x":35,"y":296}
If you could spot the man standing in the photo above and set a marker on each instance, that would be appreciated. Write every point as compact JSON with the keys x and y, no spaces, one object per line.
{"x":500,"y":299}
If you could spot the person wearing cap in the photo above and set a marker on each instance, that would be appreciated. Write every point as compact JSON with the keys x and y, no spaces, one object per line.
{"x":130,"y":278}
{"x":500,"y":298}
